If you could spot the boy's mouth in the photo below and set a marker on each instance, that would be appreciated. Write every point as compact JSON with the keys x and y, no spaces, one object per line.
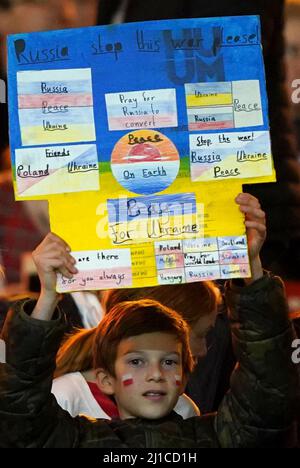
{"x":154,"y":395}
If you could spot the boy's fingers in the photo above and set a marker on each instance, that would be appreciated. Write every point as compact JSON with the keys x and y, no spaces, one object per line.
{"x":247,"y":199}
{"x":52,"y":251}
{"x":63,"y":266}
{"x":72,"y":268}
{"x":53,"y":238}
{"x":66,"y":273}
{"x":69,"y":265}
{"x":254,"y":212}
{"x":68,"y":270}
{"x":58,"y":254}
{"x":261,"y":228}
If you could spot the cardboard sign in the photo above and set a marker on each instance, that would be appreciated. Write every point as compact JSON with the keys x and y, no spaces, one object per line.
{"x":140,"y":136}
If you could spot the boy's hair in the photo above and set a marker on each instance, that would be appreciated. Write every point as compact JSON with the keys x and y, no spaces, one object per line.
{"x":128,"y":319}
{"x":191,"y":300}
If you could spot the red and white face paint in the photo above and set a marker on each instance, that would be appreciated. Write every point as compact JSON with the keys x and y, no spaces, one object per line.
{"x":178,"y":380}
{"x":127,"y":380}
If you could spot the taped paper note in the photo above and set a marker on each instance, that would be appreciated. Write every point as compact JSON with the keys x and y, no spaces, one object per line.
{"x":247,"y":105}
{"x":143,"y":265}
{"x":220,"y":105}
{"x":142,"y":109}
{"x":202,"y":259}
{"x":55,"y":106}
{"x":230,"y":155}
{"x":56,"y":169}
{"x":140,"y":219}
{"x":100,"y":269}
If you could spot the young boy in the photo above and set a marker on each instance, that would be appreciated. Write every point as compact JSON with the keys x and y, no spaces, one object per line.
{"x":143,"y":359}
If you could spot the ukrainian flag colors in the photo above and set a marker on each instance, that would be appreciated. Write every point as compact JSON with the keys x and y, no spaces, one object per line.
{"x":55,"y":106}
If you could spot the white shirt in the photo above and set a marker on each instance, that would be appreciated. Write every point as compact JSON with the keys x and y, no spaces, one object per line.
{"x":73,"y":394}
{"x":2,"y":352}
{"x":89,"y":308}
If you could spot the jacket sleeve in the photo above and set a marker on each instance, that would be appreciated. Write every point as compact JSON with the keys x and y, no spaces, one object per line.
{"x":29,"y":413}
{"x":259,"y":408}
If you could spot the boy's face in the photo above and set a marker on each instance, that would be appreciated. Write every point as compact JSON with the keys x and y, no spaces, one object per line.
{"x":149,"y":376}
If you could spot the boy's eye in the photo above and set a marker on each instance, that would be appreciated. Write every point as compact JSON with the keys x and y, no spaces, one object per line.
{"x":170,"y":362}
{"x":136,"y":362}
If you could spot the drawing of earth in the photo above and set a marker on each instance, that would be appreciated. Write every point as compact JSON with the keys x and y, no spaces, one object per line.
{"x":145,"y":162}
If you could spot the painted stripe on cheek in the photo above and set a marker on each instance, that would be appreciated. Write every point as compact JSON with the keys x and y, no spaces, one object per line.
{"x":178,"y":380}
{"x":127,"y":380}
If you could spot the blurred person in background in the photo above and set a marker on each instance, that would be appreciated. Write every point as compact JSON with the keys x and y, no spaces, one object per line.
{"x":22,"y":224}
{"x":78,"y":13}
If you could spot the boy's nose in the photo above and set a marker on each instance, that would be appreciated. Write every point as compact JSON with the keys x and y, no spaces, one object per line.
{"x":155,"y":373}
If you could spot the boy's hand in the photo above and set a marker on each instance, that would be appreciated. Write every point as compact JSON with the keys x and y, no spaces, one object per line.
{"x":50,"y":257}
{"x":255,"y":222}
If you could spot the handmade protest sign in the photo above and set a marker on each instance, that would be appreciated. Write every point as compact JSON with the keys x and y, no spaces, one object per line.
{"x":140,"y":136}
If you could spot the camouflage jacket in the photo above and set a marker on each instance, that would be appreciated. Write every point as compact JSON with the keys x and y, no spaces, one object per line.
{"x":257,"y":412}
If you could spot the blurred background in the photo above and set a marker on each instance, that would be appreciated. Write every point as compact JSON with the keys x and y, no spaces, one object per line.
{"x":24,"y":224}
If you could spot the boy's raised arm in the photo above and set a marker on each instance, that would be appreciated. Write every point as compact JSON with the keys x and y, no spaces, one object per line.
{"x":29,"y":414}
{"x":258,"y":410}
{"x":255,"y":222}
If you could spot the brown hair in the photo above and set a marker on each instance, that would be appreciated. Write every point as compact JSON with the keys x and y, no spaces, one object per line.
{"x":76,"y":353}
{"x":134,"y":318}
{"x":292,"y":10}
{"x":190,"y":300}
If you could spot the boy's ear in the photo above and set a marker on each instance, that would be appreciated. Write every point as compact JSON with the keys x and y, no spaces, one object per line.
{"x":105,"y":382}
